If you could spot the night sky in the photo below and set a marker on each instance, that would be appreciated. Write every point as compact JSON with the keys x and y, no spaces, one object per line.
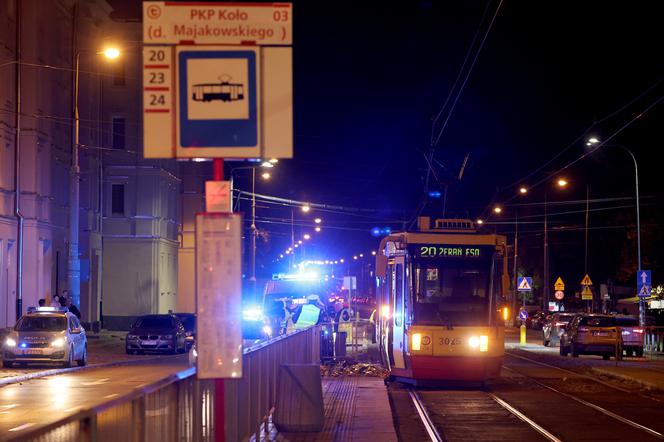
{"x":370,"y":76}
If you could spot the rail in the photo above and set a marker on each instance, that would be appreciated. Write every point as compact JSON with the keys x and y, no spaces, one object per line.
{"x":181,"y":407}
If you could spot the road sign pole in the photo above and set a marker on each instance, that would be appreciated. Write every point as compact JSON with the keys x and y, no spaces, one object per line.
{"x":219,"y":399}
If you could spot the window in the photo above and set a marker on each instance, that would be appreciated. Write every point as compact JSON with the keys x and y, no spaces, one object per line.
{"x":118,"y":73}
{"x":398,"y":295}
{"x":118,"y":133}
{"x":117,"y":199}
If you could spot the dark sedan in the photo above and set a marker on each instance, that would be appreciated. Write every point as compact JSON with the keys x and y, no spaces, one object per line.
{"x":156,"y":333}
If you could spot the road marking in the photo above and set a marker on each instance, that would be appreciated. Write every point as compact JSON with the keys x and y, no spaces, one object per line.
{"x":97,"y":382}
{"x":424,"y":417}
{"x":108,"y":396}
{"x":593,"y":406}
{"x":69,"y":410}
{"x":524,"y":418}
{"x":9,"y":406}
{"x":22,"y":427}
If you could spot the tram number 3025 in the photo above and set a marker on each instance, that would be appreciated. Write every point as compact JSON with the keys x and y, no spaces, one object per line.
{"x":449,"y":341}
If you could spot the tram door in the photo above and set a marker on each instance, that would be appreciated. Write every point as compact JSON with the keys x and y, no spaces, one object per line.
{"x":397,"y":293}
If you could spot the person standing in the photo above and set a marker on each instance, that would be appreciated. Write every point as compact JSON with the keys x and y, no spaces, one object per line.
{"x":72,"y":308}
{"x":55,"y":302}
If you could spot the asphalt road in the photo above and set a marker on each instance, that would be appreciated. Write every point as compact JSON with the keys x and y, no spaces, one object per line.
{"x":28,"y":405}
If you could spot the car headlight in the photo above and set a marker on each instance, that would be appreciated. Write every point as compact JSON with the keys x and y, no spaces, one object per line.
{"x":58,"y":343}
{"x":9,"y":342}
{"x":167,"y":337}
{"x":132,"y":337}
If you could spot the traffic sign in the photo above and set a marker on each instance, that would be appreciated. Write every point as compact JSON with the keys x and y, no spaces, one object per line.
{"x":218,"y":196}
{"x":524,"y":283}
{"x":559,"y":284}
{"x":643,"y":283}
{"x":523,"y":314}
{"x":559,"y":295}
{"x":586,"y":280}
{"x":169,"y":22}
{"x":586,"y":294}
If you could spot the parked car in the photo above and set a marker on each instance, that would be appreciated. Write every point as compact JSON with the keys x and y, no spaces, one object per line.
{"x":46,"y":334}
{"x":590,"y":334}
{"x":632,"y":335}
{"x":189,"y":322}
{"x":156,"y":333}
{"x":538,"y":320}
{"x":554,"y":328}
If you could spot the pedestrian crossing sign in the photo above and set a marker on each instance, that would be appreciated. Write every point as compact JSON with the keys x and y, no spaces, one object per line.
{"x":645,"y":291}
{"x":524,"y":284}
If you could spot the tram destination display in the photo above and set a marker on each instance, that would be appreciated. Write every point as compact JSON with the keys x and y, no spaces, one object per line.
{"x":450,"y":251}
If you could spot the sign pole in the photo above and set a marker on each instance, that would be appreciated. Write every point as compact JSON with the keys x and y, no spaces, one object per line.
{"x":219,"y":407}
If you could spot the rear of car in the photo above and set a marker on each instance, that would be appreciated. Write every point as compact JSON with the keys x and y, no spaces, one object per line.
{"x":45,"y":335}
{"x":594,"y":335}
{"x":188,"y":321}
{"x":632,"y":335}
{"x":555,"y":327}
{"x":156,"y":333}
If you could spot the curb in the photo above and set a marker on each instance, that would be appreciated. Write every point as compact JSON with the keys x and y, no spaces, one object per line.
{"x":57,"y":371}
{"x":625,"y":377}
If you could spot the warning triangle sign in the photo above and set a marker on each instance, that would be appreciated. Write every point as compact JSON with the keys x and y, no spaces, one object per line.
{"x":524,"y":284}
{"x":559,"y":285}
{"x":586,"y":280}
{"x":586,"y":294}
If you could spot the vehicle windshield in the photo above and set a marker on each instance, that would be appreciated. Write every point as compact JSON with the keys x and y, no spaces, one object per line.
{"x":627,"y":322}
{"x":42,"y":323}
{"x":154,"y":322}
{"x":598,"y":321}
{"x":451,"y":292}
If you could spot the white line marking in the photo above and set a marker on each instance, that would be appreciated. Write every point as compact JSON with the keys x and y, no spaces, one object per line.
{"x":524,"y":418}
{"x":22,"y":427}
{"x":424,"y":417}
{"x":108,"y":396}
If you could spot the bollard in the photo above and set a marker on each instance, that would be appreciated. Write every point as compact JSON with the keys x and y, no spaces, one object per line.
{"x":522,"y":337}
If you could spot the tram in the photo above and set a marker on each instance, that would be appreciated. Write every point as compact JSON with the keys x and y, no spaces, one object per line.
{"x":223,"y":91}
{"x":441,"y":291}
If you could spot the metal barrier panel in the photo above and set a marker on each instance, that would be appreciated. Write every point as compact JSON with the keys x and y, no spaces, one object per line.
{"x":654,"y":340}
{"x":181,"y":408}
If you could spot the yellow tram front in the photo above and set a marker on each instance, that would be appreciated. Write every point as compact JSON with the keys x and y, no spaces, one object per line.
{"x":441,"y":291}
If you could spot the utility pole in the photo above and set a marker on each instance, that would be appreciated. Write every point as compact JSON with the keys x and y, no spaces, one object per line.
{"x":17,"y":171}
{"x":585,"y":259}
{"x":253,"y":232}
{"x":515,"y":270}
{"x":546,"y":256}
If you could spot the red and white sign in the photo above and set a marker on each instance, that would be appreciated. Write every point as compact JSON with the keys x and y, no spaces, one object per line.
{"x":217,"y":23}
{"x":158,"y":108}
{"x":217,"y":196}
{"x":559,"y":294}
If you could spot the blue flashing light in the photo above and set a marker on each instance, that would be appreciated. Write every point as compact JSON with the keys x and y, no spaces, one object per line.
{"x":24,"y":345}
{"x":252,"y":314}
{"x":434,"y":194}
{"x":375,"y":231}
{"x":379,"y":231}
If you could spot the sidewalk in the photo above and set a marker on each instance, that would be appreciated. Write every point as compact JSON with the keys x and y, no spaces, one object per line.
{"x":356,"y":409}
{"x":648,"y":378}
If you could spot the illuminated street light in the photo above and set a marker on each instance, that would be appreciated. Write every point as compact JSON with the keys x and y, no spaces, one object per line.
{"x":281,"y":256}
{"x":111,"y":53}
{"x":336,"y":262}
{"x":497,"y":209}
{"x":317,"y":229}
{"x":523,"y":190}
{"x":562,"y":182}
{"x":480,"y":221}
{"x":267,"y":165}
{"x":355,"y":257}
{"x":274,"y":160}
{"x":266,"y":175}
{"x":592,"y":141}
{"x":307,"y":236}
{"x":299,"y":242}
{"x":306,"y":208}
{"x":361,"y":255}
{"x":318,"y":220}
{"x":341,"y":260}
{"x":297,"y":245}
{"x":373,"y":252}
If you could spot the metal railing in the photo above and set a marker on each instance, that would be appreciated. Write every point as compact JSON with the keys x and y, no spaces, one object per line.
{"x":654,"y":341}
{"x":181,"y":407}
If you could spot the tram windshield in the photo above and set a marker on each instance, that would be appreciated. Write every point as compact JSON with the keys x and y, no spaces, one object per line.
{"x":451,"y":292}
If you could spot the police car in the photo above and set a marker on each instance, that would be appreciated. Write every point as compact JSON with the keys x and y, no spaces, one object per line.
{"x":46,"y":335}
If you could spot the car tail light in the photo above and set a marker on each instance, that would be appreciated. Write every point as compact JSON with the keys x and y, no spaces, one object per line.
{"x":560,"y":324}
{"x":637,"y":330}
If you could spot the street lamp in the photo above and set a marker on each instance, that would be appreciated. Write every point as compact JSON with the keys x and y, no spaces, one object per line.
{"x":306,"y":208}
{"x":307,"y":236}
{"x":642,"y":307}
{"x":523,"y":190}
{"x":497,"y":209}
{"x":317,"y":229}
{"x":74,"y":262}
{"x":562,"y":182}
{"x":318,"y":220}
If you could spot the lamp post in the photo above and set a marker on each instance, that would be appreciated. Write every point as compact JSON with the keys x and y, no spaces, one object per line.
{"x":74,"y":262}
{"x":642,"y":306}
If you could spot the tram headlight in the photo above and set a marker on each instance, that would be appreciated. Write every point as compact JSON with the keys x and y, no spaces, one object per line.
{"x":481,"y":342}
{"x":416,"y":341}
{"x":385,"y":311}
